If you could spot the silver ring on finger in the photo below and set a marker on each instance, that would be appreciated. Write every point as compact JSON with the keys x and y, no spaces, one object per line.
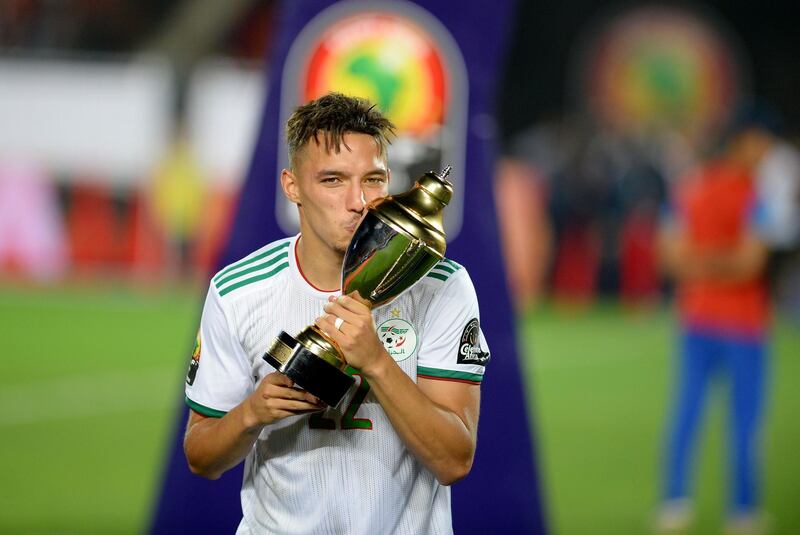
{"x":338,"y":324}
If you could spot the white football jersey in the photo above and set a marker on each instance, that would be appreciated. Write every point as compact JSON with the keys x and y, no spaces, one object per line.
{"x":344,"y":470}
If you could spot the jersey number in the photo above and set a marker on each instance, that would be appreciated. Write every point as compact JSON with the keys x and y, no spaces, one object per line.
{"x":349,"y":420}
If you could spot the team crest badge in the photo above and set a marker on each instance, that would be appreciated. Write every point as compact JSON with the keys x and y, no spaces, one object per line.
{"x":398,"y":337}
{"x":195,"y":363}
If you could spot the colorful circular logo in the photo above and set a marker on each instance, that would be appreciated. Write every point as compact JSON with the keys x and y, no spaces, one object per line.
{"x":661,"y":67}
{"x":387,"y":59}
{"x":398,"y":337}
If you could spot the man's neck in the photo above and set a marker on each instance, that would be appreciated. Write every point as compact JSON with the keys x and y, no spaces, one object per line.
{"x":320,"y":265}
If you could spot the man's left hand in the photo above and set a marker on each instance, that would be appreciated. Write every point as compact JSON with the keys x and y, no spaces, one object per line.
{"x":355,"y":334}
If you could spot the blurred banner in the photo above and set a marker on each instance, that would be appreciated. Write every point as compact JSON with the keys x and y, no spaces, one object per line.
{"x":435,"y":77}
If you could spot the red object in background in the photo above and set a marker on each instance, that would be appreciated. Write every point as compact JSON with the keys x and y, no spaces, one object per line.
{"x":101,"y":238}
{"x":576,"y":265}
{"x":141,"y":246}
{"x":91,"y":227}
{"x":252,"y":38}
{"x":130,"y":243}
{"x":214,"y":227}
{"x":639,"y":277}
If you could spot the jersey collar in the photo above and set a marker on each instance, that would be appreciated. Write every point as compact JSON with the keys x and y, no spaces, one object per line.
{"x":300,"y":278}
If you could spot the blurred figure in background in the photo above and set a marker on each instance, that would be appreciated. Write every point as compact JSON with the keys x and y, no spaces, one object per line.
{"x":177,"y":202}
{"x":526,"y":233}
{"x":713,"y":247}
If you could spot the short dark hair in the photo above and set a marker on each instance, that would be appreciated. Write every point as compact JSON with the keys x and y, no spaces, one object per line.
{"x":334,"y":115}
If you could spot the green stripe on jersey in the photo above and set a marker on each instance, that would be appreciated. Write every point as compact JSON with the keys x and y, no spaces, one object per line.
{"x":250,"y":260}
{"x":449,"y":374}
{"x":444,"y":269}
{"x":239,"y":274}
{"x":251,"y":280}
{"x":205,"y":411}
{"x":452,"y":263}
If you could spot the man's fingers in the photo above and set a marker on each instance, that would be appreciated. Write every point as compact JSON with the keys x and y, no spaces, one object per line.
{"x":328,"y":325}
{"x":338,"y":310}
{"x":279,"y":392}
{"x":356,"y":296}
{"x":352,"y":302}
{"x":277,"y":378}
{"x":279,"y":414}
{"x":295,"y":406}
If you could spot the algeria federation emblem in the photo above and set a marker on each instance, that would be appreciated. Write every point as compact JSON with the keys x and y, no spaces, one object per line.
{"x":398,"y":337}
{"x":195,"y":363}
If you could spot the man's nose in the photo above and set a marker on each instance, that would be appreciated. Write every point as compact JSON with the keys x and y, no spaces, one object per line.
{"x":355,"y":198}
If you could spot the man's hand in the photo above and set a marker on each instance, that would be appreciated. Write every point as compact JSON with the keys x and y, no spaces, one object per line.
{"x":275,"y":398}
{"x":355,"y":334}
{"x":215,"y":445}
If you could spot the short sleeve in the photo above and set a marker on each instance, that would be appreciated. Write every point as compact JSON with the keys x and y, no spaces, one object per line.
{"x":453,"y":346}
{"x":219,"y":372}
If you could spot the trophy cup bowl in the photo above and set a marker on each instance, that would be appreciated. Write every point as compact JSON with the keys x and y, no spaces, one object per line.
{"x":399,"y":240}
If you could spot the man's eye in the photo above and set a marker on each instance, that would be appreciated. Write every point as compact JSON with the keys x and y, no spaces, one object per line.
{"x":376,"y":180}
{"x":330,"y":179}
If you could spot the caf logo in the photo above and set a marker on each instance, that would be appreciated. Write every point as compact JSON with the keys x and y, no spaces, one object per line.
{"x":469,"y":350}
{"x":398,"y":337}
{"x":195,"y":363}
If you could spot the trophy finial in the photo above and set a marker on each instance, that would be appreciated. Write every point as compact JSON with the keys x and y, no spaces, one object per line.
{"x":446,"y":171}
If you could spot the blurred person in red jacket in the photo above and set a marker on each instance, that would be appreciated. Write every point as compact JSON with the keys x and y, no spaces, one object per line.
{"x":712,"y":245}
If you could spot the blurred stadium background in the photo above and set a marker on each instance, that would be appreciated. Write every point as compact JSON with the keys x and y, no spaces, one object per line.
{"x":126,"y":129}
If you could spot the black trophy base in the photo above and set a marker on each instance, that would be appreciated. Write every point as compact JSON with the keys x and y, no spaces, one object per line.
{"x":308,"y":371}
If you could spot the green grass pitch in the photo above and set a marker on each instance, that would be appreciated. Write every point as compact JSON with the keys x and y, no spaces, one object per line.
{"x":599,"y":384}
{"x":90,"y":379}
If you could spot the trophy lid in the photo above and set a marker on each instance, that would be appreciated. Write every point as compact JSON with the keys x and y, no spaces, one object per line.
{"x":437,"y":185}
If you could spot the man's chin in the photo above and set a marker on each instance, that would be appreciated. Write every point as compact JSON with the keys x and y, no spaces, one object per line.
{"x":341,"y":248}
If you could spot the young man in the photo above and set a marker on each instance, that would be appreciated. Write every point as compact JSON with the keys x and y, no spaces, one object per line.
{"x":382,"y":461}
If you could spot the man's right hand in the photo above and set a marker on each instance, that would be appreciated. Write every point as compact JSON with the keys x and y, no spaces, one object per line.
{"x":276,"y":398}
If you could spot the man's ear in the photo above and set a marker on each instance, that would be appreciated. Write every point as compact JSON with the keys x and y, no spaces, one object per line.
{"x":290,"y":187}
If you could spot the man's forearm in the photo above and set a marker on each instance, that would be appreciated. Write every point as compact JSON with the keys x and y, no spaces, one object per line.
{"x":215,"y":445}
{"x":738,"y":263}
{"x":743,"y":262}
{"x":437,"y":436}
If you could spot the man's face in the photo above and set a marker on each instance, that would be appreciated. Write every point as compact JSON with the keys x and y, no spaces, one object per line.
{"x":331,"y":189}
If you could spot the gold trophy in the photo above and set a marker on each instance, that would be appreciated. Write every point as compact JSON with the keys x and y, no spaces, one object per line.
{"x":399,"y":240}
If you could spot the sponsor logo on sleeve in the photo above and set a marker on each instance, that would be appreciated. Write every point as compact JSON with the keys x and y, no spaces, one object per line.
{"x":469,"y":349}
{"x":195,"y":363}
{"x":398,"y":337}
